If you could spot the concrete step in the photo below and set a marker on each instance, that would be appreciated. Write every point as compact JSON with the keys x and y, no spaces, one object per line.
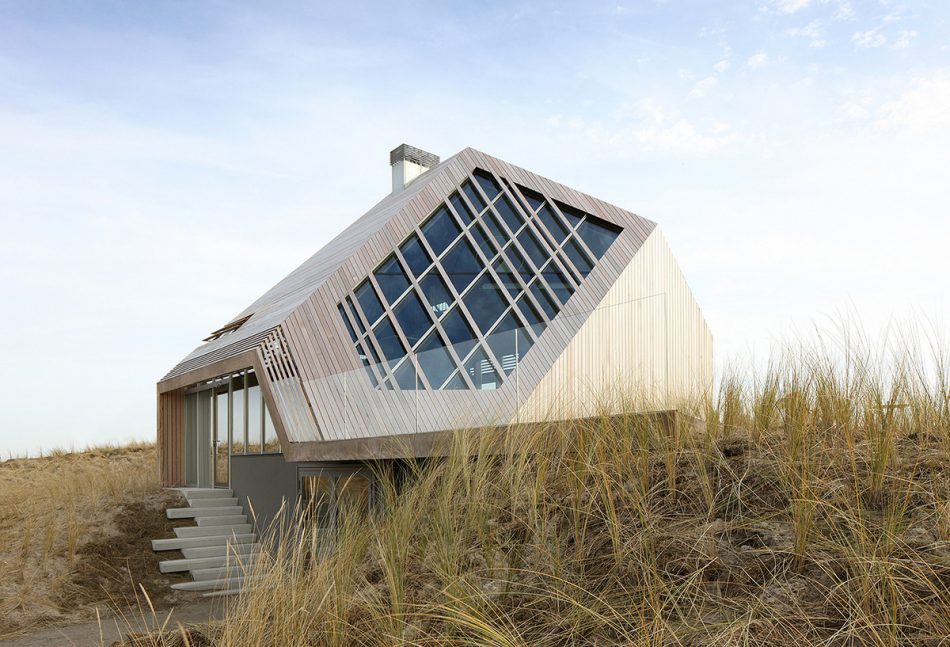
{"x":179,"y":565}
{"x":180,"y":543}
{"x":234,"y":520}
{"x":213,"y":502}
{"x":191,"y":513}
{"x":220,"y":551}
{"x":238,"y":589}
{"x":211,"y":585}
{"x":213,"y":531}
{"x":206,"y":493}
{"x":218,"y":573}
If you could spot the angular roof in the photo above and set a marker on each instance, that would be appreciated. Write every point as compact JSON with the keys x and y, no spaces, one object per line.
{"x":344,"y":342}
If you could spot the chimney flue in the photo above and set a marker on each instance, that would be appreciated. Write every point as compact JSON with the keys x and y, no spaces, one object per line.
{"x":408,"y":163}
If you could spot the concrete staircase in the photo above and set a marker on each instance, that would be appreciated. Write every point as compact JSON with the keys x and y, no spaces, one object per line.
{"x":218,"y":549}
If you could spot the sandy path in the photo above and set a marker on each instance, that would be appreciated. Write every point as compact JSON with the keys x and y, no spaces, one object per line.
{"x":86,"y":634}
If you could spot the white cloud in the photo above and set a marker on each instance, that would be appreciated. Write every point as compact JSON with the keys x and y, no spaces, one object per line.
{"x":869,"y":39}
{"x":702,"y":87}
{"x":855,"y":111}
{"x":812,"y":31}
{"x":791,"y":6}
{"x":758,"y":60}
{"x":904,"y":37}
{"x":925,"y":107}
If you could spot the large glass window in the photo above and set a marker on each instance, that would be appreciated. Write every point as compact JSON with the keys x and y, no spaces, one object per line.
{"x":461,"y":208}
{"x":553,"y":224}
{"x":488,"y":184}
{"x":508,"y":213}
{"x":552,"y":256}
{"x":389,"y":341}
{"x":485,"y":303}
{"x":391,"y":279}
{"x":436,"y":293}
{"x":461,"y":335}
{"x":598,"y":235}
{"x":417,"y":258}
{"x":461,"y":265}
{"x":369,"y":302}
{"x":473,"y":196}
{"x":412,"y":318}
{"x":440,"y":230}
{"x":434,"y":360}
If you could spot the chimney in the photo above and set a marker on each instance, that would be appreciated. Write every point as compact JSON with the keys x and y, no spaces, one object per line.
{"x":408,"y":163}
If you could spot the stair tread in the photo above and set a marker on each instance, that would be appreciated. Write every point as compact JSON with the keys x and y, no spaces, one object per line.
{"x":221,"y":550}
{"x":210,"y":531}
{"x":177,"y":543}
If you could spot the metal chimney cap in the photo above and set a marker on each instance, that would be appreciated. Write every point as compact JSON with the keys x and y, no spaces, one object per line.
{"x":407,"y":153}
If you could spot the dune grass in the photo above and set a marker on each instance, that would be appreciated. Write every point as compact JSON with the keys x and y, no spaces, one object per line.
{"x":50,"y":507}
{"x":811,"y":506}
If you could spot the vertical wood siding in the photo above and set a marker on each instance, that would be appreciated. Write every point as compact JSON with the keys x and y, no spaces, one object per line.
{"x":171,"y":438}
{"x":646,"y":347}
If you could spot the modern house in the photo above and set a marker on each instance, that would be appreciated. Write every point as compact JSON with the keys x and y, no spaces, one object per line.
{"x":475,"y":294}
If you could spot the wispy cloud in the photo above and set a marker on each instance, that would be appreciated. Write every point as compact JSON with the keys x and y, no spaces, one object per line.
{"x":758,"y":60}
{"x":812,"y":32}
{"x":904,"y":38}
{"x":704,"y":86}
{"x":869,"y":39}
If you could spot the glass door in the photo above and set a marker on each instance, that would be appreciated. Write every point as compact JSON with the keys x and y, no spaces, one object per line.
{"x":221,"y":439}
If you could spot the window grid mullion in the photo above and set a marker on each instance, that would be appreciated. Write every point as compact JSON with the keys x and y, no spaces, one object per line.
{"x":575,"y":233}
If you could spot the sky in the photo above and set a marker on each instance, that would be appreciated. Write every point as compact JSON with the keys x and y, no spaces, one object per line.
{"x":162,"y":164}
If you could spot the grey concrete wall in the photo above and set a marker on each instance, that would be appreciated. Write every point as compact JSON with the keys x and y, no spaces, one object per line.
{"x":266,"y":481}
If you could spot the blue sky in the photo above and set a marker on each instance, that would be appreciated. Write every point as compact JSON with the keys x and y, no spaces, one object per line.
{"x":166,"y":162}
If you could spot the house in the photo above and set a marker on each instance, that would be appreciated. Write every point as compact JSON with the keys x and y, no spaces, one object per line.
{"x":475,"y":294}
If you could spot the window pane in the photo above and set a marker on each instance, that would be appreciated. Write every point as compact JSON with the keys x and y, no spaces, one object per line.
{"x":367,"y":364}
{"x":461,"y":335}
{"x":434,"y":360}
{"x":547,"y":303}
{"x":520,"y":264}
{"x":352,"y":496}
{"x":488,"y":184}
{"x":461,"y":208}
{"x":473,"y":196}
{"x":534,"y":199}
{"x":237,"y":415}
{"x":412,"y":318}
{"x":317,"y":497}
{"x":482,"y":241}
{"x":507,"y":276}
{"x":355,"y":316}
{"x":456,"y":383}
{"x":485,"y":303}
{"x":417,"y":258}
{"x":481,"y":371}
{"x":508,"y":213}
{"x":578,"y":257}
{"x":406,"y":376}
{"x":436,"y":293}
{"x":369,"y":302}
{"x":271,"y":442}
{"x":440,"y":230}
{"x":557,"y":282}
{"x":553,"y":224}
{"x":529,"y":242}
{"x":255,"y":416}
{"x":572,"y":215}
{"x":391,"y":279}
{"x":389,"y":341}
{"x":598,"y":235}
{"x":462,"y":265}
{"x":502,"y":342}
{"x":346,"y":322}
{"x":530,"y":314}
{"x":496,"y":229}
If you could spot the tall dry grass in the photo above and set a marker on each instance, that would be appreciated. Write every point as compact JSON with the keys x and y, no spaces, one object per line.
{"x":812,"y":507}
{"x":51,"y":505}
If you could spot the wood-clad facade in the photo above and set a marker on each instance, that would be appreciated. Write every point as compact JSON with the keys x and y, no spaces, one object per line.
{"x":626,"y":322}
